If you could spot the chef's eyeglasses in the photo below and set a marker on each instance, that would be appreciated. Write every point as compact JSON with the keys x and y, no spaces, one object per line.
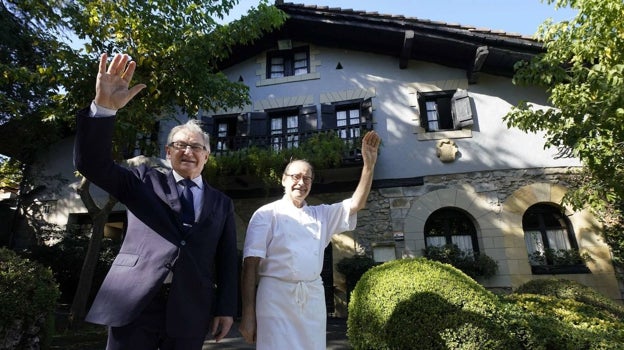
{"x":299,"y":177}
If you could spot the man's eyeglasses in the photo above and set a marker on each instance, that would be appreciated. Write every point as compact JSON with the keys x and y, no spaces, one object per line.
{"x":298,"y":177}
{"x":182,"y":146}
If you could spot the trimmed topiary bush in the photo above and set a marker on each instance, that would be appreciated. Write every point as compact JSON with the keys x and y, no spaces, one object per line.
{"x":568,"y":324}
{"x":567,"y":289}
{"x":564,"y":314}
{"x":424,"y":304}
{"x":28,"y":296}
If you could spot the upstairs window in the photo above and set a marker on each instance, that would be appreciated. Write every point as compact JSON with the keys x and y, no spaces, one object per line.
{"x":281,"y":128}
{"x":445,"y":110}
{"x":550,"y":241}
{"x":284,"y":130}
{"x":348,"y":123}
{"x":350,"y":119}
{"x":285,"y":63}
{"x":225,"y":132}
{"x":448,"y":226}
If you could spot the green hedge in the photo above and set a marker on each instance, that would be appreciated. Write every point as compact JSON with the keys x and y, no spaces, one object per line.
{"x":565,"y":314}
{"x":567,"y":289}
{"x":424,"y":304}
{"x":28,"y":296}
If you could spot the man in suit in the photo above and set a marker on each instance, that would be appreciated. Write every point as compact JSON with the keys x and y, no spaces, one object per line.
{"x":176,"y":268}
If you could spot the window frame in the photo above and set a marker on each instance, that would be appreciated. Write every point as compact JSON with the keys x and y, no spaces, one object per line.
{"x":289,"y":136}
{"x":447,"y":214}
{"x":289,"y":64}
{"x":453,"y":110}
{"x":545,"y":225}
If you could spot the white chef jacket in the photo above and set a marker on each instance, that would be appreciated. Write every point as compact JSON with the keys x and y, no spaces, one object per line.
{"x":290,"y":302}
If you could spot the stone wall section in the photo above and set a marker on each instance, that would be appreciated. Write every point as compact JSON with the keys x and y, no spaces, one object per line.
{"x":495,"y":201}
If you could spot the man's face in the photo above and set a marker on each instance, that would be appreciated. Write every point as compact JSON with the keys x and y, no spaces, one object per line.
{"x":187,"y":153}
{"x":297,"y":182}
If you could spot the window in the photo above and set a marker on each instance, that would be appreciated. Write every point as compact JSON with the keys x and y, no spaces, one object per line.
{"x":284,"y":130}
{"x":445,"y":110}
{"x":223,"y":131}
{"x":348,"y":123}
{"x":549,"y":240}
{"x":281,"y":128}
{"x":350,"y":119}
{"x":451,"y":226}
{"x":285,"y":63}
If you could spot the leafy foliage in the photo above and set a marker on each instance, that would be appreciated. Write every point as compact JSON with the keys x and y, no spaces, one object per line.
{"x":406,"y":302}
{"x":72,"y":247}
{"x":470,"y":263}
{"x":28,"y":295}
{"x":418,"y":301}
{"x":10,"y":173}
{"x":583,"y":72}
{"x":353,"y":268}
{"x":567,"y":289}
{"x":559,"y":257}
{"x":323,"y":150}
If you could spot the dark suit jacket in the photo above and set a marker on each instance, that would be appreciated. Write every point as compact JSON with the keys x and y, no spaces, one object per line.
{"x":204,"y":260}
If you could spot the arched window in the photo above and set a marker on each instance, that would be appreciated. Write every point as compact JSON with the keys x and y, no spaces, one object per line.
{"x":451,"y":226}
{"x":550,"y":241}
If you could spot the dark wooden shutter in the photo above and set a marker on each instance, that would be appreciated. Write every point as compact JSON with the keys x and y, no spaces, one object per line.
{"x":258,"y":128}
{"x":461,"y":109}
{"x":424,"y":122}
{"x":328,"y":116}
{"x":366,"y":114}
{"x":207,"y":124}
{"x":307,"y":118}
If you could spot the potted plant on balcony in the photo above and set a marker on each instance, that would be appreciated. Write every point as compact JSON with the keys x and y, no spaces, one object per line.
{"x":258,"y":167}
{"x":559,"y":261}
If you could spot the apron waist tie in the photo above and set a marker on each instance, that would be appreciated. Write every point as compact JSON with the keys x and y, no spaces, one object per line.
{"x":301,"y":289}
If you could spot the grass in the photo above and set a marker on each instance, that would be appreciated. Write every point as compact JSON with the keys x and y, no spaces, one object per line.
{"x":87,"y":337}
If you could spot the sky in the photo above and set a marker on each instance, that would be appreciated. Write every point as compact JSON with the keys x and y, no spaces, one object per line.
{"x":511,"y":16}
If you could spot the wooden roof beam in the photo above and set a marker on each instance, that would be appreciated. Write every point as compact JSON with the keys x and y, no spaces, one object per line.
{"x":480,"y":56}
{"x":406,"y":51}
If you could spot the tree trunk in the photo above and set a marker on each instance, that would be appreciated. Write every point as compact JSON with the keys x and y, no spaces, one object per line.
{"x":99,"y":218}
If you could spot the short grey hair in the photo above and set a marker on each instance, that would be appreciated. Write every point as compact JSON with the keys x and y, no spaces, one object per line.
{"x":194,"y":126}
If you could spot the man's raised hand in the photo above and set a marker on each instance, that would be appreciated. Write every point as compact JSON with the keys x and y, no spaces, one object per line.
{"x":111,"y":87}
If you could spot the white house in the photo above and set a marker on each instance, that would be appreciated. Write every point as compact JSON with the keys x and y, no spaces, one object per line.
{"x":449,"y":169}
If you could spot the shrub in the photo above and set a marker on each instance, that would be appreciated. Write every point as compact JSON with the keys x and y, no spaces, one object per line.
{"x":473,"y":264}
{"x":66,"y":257}
{"x":424,"y":304}
{"x":567,"y":289}
{"x":353,"y":268}
{"x":28,"y":296}
{"x":566,"y":324}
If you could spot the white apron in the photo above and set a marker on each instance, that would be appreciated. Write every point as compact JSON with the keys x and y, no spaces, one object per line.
{"x":290,"y":301}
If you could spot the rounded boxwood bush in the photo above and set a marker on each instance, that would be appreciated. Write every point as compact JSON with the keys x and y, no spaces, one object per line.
{"x":567,"y":324}
{"x":422,"y":304}
{"x":565,"y":314}
{"x":28,"y":296}
{"x":567,"y":289}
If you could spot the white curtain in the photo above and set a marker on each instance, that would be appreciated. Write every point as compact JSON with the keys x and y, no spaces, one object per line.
{"x":436,"y":241}
{"x":558,"y":239}
{"x":463,"y":242}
